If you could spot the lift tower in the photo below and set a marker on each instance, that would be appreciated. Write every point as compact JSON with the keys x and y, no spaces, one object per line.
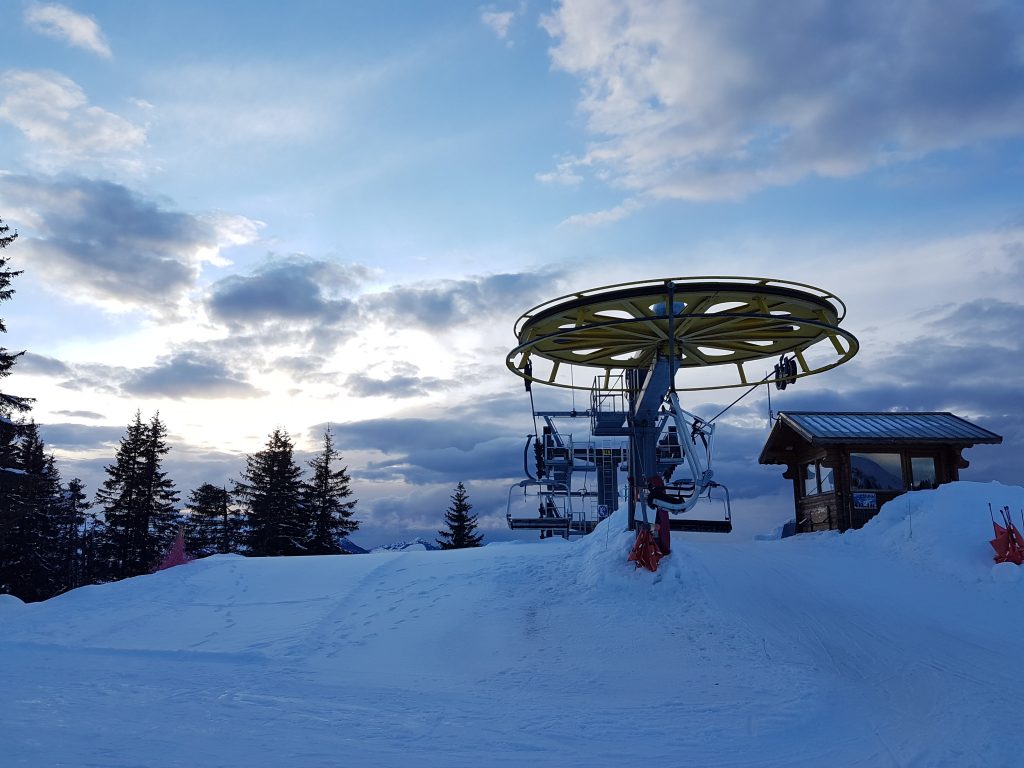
{"x":648,"y":341}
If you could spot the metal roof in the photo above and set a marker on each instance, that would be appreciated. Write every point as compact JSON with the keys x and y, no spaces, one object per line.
{"x":867,"y":427}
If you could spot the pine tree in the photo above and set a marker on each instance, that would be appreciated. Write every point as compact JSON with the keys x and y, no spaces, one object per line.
{"x":461,"y":524}
{"x":11,"y":475}
{"x":212,"y":526}
{"x":8,"y":403}
{"x":30,"y":562}
{"x":270,"y":494}
{"x":324,"y":496}
{"x":72,"y":535}
{"x":137,"y":501}
{"x":160,"y":497}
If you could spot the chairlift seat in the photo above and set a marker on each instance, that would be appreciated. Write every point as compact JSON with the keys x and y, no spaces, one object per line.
{"x":700,"y":526}
{"x":539,"y":523}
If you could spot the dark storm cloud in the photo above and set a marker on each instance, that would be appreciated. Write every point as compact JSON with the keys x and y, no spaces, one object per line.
{"x":108,"y":241}
{"x":447,"y":304}
{"x":188,"y":374}
{"x":292,"y":289}
{"x":396,"y":387}
{"x":42,"y":365}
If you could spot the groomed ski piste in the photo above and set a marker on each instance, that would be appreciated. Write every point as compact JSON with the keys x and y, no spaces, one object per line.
{"x":901,"y":644}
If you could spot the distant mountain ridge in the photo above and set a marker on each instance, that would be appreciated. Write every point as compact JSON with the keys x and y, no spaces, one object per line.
{"x":415,"y":545}
{"x":351,"y":547}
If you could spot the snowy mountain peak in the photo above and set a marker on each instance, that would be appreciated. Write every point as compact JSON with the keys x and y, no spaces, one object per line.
{"x":415,"y":545}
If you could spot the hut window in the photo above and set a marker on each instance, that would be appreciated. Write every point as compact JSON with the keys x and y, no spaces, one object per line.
{"x":811,"y":479}
{"x":825,"y":479}
{"x":876,"y":472}
{"x":922,"y":472}
{"x":817,"y":479}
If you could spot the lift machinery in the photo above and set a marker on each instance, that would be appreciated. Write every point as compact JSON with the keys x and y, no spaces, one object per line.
{"x":638,"y":340}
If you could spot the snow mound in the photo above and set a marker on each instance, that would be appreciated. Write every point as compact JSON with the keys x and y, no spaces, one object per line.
{"x":946,"y":530}
{"x":10,"y":603}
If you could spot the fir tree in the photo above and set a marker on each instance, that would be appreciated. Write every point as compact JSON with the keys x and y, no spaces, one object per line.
{"x":74,"y":542}
{"x":159,"y":495}
{"x":270,"y":494}
{"x":29,"y":561}
{"x":212,"y":526}
{"x":325,"y":499}
{"x":11,"y":475}
{"x":8,"y":403}
{"x":461,"y":524}
{"x":137,"y":501}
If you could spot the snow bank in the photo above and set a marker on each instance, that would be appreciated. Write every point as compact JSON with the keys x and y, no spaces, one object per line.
{"x":10,"y":603}
{"x":945,"y":530}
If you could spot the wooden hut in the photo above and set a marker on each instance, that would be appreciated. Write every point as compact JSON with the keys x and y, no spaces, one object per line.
{"x":844,"y":466}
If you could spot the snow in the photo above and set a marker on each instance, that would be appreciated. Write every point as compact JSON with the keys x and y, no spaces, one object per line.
{"x":897,"y":645}
{"x":415,"y":545}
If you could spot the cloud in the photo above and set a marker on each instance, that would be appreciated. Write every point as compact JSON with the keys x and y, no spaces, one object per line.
{"x":564,"y":173}
{"x":62,"y":23}
{"x":294,"y":288}
{"x":317,"y":304}
{"x":696,"y":101}
{"x":95,"y":378}
{"x":296,"y":299}
{"x":500,"y":22}
{"x":41,"y":365}
{"x":64,"y":130}
{"x":443,"y":305}
{"x":117,"y":248}
{"x":79,"y":437}
{"x":962,"y":360}
{"x":495,"y":459}
{"x":408,"y":434}
{"x":607,"y":216}
{"x":396,"y":387}
{"x":81,"y":414}
{"x":189,"y":375}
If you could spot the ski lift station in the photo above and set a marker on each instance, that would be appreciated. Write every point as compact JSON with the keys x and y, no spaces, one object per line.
{"x":844,"y":466}
{"x":634,"y":348}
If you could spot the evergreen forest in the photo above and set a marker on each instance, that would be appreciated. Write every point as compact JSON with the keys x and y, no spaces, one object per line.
{"x":55,"y":537}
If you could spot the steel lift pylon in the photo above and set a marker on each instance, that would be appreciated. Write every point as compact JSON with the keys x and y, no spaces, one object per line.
{"x":642,"y":338}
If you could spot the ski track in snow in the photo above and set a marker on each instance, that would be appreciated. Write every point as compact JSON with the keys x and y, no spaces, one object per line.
{"x":868,"y":649}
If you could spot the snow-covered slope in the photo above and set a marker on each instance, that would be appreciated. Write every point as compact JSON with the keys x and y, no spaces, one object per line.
{"x":898,"y":645}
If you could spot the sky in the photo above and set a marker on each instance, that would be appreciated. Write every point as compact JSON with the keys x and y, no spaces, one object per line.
{"x":247,"y":216}
{"x":900,"y":651}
